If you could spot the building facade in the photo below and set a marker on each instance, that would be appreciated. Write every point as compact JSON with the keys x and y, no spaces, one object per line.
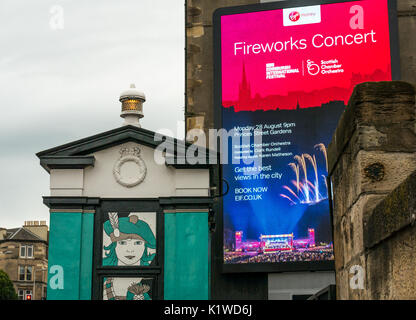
{"x":24,"y":257}
{"x":127,"y":222}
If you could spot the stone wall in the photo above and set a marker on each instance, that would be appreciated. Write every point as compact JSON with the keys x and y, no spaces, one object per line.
{"x":372,"y":153}
{"x":407,"y":28}
{"x":390,"y":239}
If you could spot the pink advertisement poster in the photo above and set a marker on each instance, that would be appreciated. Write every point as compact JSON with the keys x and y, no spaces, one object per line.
{"x":308,"y":55}
{"x":290,"y":72}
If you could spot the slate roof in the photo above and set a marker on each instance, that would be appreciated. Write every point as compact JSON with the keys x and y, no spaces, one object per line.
{"x":21,"y":234}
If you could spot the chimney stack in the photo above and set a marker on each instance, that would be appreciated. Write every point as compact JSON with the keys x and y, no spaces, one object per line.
{"x":37,"y":227}
{"x":132,"y":106}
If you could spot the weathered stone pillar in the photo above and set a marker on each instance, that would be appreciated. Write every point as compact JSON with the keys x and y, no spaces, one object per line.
{"x":372,"y":152}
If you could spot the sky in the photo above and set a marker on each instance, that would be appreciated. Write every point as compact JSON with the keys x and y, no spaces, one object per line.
{"x":63,"y":65}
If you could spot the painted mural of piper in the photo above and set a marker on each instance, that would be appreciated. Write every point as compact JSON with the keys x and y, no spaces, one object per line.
{"x":132,"y":242}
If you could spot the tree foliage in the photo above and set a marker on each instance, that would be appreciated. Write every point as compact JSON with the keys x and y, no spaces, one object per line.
{"x":7,"y":291}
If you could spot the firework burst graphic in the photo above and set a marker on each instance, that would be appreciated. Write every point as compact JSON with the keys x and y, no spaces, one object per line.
{"x":304,"y":190}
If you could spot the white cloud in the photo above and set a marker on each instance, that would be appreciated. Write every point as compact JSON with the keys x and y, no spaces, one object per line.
{"x":62,"y":85}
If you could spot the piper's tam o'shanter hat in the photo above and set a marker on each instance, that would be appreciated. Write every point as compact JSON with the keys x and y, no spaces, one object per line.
{"x":129,"y":228}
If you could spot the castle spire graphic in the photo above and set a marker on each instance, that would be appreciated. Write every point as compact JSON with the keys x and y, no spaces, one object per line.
{"x":244,"y":92}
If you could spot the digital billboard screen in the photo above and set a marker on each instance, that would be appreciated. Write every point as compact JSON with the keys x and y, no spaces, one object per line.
{"x":284,"y":72}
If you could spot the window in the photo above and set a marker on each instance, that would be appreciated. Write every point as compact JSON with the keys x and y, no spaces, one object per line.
{"x":25,"y":273}
{"x":20,"y":294}
{"x":29,"y":273}
{"x":26,"y":251}
{"x":21,"y":273}
{"x":44,"y":293}
{"x":22,"y":251}
{"x":30,"y":251}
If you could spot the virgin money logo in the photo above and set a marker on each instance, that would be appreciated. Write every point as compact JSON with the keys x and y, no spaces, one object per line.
{"x":294,"y":16}
{"x":301,"y":15}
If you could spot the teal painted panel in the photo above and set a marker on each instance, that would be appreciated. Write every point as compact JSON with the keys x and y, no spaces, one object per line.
{"x":186,"y":256}
{"x":170,"y":257}
{"x":86,"y":256}
{"x":64,"y":256}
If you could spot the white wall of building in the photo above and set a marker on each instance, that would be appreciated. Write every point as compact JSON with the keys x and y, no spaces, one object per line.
{"x":99,"y":181}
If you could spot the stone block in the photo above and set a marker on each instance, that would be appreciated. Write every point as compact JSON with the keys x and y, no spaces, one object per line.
{"x":404,"y":265}
{"x":392,"y":267}
{"x":342,"y":183}
{"x":379,"y":270}
{"x":369,"y":173}
{"x":382,"y":172}
{"x":384,"y":107}
{"x":348,"y":285}
{"x":342,"y":283}
{"x":396,"y":211}
{"x":346,"y":239}
{"x":357,"y":278}
{"x":338,"y":247}
{"x":406,"y":5}
{"x":407,"y":29}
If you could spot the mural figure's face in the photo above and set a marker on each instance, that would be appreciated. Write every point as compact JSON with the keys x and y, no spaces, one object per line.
{"x":129,"y":251}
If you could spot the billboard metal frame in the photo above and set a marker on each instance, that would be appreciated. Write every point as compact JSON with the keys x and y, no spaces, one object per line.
{"x":218,"y":237}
